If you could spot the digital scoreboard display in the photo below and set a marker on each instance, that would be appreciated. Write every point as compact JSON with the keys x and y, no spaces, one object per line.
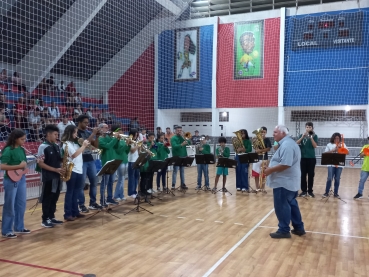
{"x":327,"y":31}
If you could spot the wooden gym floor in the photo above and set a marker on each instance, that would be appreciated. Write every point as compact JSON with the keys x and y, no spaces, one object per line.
{"x":200,"y":234}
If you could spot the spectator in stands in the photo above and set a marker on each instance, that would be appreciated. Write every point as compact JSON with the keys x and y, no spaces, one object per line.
{"x":158,"y":133}
{"x":134,"y":124}
{"x":96,"y":114}
{"x":142,"y":134}
{"x":208,"y":140}
{"x":168,"y":135}
{"x":20,"y":114}
{"x":70,"y":88}
{"x":78,"y":99}
{"x":61,"y":88}
{"x":53,"y":110}
{"x":90,"y":116}
{"x":106,"y":116}
{"x":42,"y":88}
{"x":18,"y":82}
{"x":42,"y":108}
{"x":114,"y":118}
{"x":35,"y":127}
{"x":51,"y":85}
{"x":4,"y":124}
{"x":63,"y":124}
{"x":31,"y":105}
{"x":4,"y":79}
{"x":78,"y":110}
{"x":72,"y":99}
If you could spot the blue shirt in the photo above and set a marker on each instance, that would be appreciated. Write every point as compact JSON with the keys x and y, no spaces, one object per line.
{"x":288,"y":153}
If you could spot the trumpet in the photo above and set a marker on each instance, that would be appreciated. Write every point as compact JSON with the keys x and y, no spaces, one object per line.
{"x":89,"y":147}
{"x":311,"y":134}
{"x":146,"y":149}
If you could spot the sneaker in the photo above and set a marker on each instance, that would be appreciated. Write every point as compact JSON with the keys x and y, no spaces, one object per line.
{"x":112,"y":202}
{"x":83,"y":209}
{"x":238,"y":189}
{"x":278,"y":235}
{"x":95,"y":206}
{"x":358,"y":196}
{"x":243,"y":190}
{"x":55,"y":221}
{"x":118,"y":199}
{"x":47,"y":224}
{"x":159,"y":189}
{"x":10,"y":236}
{"x":173,"y":186}
{"x":153,"y":191}
{"x":325,"y":195}
{"x":336,"y":196}
{"x":302,"y":194}
{"x":198,"y":188}
{"x":207,"y":188}
{"x":124,"y":199}
{"x":311,"y":194}
{"x":149,"y":191}
{"x":298,"y":232}
{"x":164,"y":188}
{"x":24,"y":231}
{"x":133,"y":196}
{"x":183,"y":186}
{"x":214,"y":189}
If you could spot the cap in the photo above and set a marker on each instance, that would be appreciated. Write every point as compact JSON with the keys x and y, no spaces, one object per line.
{"x":196,"y":131}
{"x":177,"y":126}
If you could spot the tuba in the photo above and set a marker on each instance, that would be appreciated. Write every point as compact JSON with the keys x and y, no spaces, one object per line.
{"x":66,"y":165}
{"x":237,"y":141}
{"x":258,"y":143}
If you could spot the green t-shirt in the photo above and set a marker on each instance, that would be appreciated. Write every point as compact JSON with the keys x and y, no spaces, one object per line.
{"x":122,"y":151}
{"x":307,"y":148}
{"x":153,"y":149}
{"x":13,"y":156}
{"x":365,"y":166}
{"x":109,"y":146}
{"x":177,"y":149}
{"x":247,"y":145}
{"x":226,"y":152}
{"x":205,"y":149}
{"x":162,"y":152}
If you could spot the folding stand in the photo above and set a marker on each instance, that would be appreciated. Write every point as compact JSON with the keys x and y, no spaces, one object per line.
{"x":333,"y":159}
{"x":109,"y":168}
{"x":170,"y":162}
{"x":185,"y":161}
{"x":249,"y":158}
{"x":156,"y":166}
{"x":228,"y":163}
{"x":38,"y":198}
{"x":141,"y":160}
{"x":204,"y":159}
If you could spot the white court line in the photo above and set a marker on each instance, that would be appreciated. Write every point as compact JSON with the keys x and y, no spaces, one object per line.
{"x":238,"y":223}
{"x":199,"y":219}
{"x":236,"y":245}
{"x":322,"y":233}
{"x":180,"y":217}
{"x":218,"y":221}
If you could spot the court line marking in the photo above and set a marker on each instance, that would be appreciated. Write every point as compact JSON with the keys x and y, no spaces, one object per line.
{"x":180,"y":217}
{"x":218,"y":221}
{"x":42,"y":267}
{"x":323,"y":233}
{"x":230,"y":251}
{"x":199,"y":219}
{"x":238,"y":223}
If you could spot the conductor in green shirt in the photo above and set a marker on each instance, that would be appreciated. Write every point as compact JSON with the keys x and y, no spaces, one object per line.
{"x":307,"y":142}
{"x":179,"y":150}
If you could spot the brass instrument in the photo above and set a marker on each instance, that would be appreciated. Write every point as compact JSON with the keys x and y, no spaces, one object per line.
{"x":258,"y":143}
{"x":66,"y":165}
{"x":311,"y":134}
{"x":146,"y":149}
{"x":221,"y":151}
{"x":89,"y":147}
{"x":187,"y":136}
{"x":237,"y":141}
{"x":198,"y":145}
{"x":342,"y":149}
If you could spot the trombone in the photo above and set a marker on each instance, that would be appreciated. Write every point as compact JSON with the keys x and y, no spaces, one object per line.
{"x":186,"y":136}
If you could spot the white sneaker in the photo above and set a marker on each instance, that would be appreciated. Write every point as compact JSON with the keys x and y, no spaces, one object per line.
{"x":238,"y":189}
{"x":133,"y":196}
{"x":159,"y":189}
{"x":149,"y":191}
{"x":124,"y":199}
{"x":118,"y":199}
{"x":243,"y":189}
{"x":154,"y":190}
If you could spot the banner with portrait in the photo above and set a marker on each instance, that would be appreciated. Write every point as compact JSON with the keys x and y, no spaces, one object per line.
{"x":249,"y":50}
{"x":186,"y":62}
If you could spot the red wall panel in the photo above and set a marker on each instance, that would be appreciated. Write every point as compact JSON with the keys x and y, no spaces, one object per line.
{"x":133,"y":94}
{"x":248,"y":93}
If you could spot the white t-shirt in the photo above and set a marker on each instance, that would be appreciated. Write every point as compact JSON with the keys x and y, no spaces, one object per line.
{"x":78,"y":162}
{"x":132,"y":157}
{"x":62,"y":127}
{"x":330,"y":147}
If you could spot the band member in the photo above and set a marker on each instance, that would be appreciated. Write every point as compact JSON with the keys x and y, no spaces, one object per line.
{"x":364,"y":174}
{"x":162,"y":154}
{"x":263,"y":160}
{"x":122,"y":154}
{"x":75,"y":184}
{"x":203,"y":148}
{"x":283,"y":177}
{"x":308,"y":142}
{"x":179,"y":144}
{"x":147,"y":176}
{"x":89,"y":167}
{"x":50,"y":170}
{"x":133,"y":173}
{"x":109,"y":145}
{"x":334,"y":171}
{"x":242,"y":169}
{"x":222,"y":152}
{"x":13,"y":158}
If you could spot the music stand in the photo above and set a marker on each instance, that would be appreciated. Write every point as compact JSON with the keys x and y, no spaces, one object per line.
{"x":141,"y":160}
{"x":204,"y":159}
{"x":156,"y":166}
{"x":184,"y":161}
{"x":109,"y":168}
{"x":170,"y":162}
{"x":333,"y":159}
{"x":228,"y":163}
{"x":249,"y":158}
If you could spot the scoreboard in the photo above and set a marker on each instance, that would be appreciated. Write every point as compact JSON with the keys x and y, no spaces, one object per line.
{"x":327,"y":31}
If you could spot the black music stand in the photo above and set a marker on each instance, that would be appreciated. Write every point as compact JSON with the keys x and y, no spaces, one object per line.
{"x":228,"y":163}
{"x":249,"y":158}
{"x":333,"y":159}
{"x":156,"y":166}
{"x":109,"y":168}
{"x":184,"y":161}
{"x":141,"y":160}
{"x":204,"y":159}
{"x":170,"y":162}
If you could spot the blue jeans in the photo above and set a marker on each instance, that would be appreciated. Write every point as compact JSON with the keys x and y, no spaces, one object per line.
{"x":133,"y":176}
{"x":74,"y":186}
{"x":287,"y":210}
{"x":242,"y":175}
{"x":363,"y":176}
{"x":333,"y":172}
{"x":200,"y":169}
{"x":106,"y":181}
{"x":119,"y":189}
{"x":89,"y":170}
{"x":161,"y":175}
{"x":174,"y":175}
{"x":14,"y":205}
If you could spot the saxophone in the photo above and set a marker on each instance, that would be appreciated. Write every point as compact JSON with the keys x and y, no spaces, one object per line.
{"x":66,"y":165}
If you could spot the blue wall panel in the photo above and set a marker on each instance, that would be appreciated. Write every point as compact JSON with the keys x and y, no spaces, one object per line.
{"x":324,"y":77}
{"x":184,"y":95}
